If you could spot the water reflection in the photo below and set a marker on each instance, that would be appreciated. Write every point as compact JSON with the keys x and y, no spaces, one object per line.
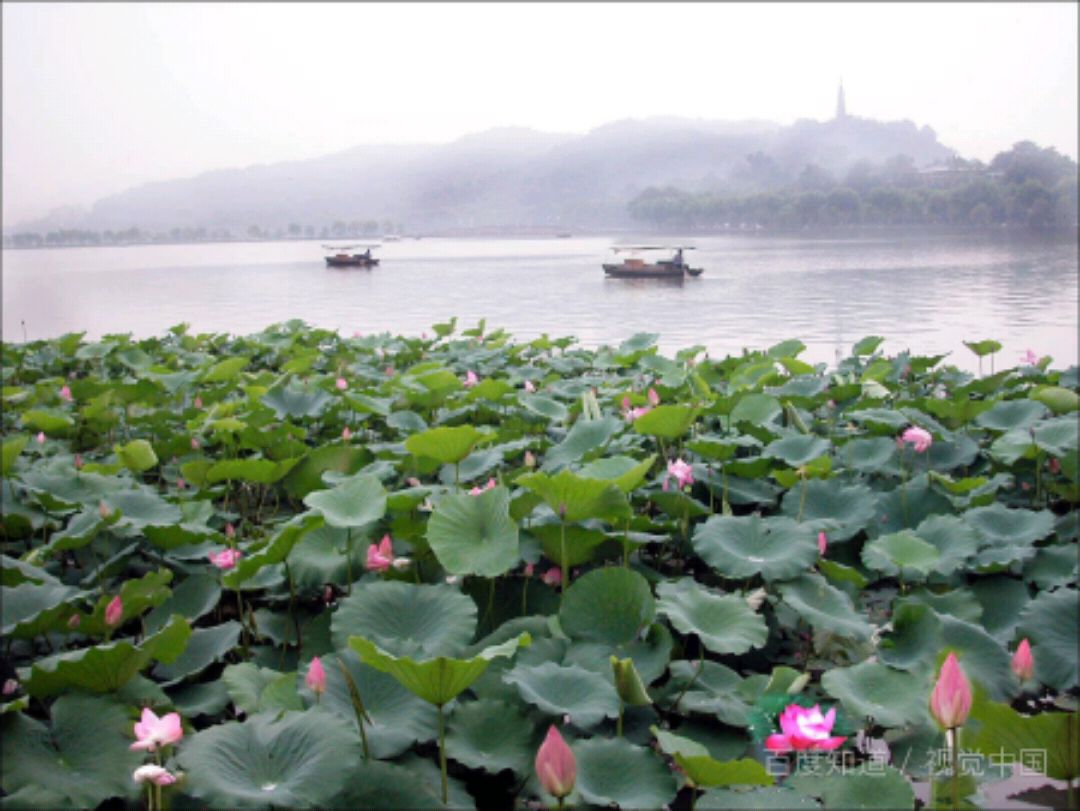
{"x":927,"y":295}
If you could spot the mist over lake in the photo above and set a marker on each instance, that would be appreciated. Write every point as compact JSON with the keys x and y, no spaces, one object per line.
{"x":927,"y":293}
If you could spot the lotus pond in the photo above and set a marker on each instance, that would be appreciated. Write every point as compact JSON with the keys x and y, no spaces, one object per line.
{"x":296,"y":569}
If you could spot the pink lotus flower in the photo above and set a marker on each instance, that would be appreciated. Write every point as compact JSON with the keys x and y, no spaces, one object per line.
{"x":530,"y":387}
{"x":341,"y":384}
{"x":198,"y":402}
{"x":316,"y":677}
{"x":65,"y":393}
{"x":389,"y":371}
{"x":194,"y":444}
{"x":153,"y":732}
{"x":114,"y":612}
{"x":919,"y":438}
{"x":802,"y":728}
{"x":635,"y":413}
{"x":226,"y":559}
{"x":470,"y":379}
{"x":681,"y":472}
{"x":230,"y":531}
{"x":530,"y":460}
{"x":380,"y":557}
{"x":40,"y":438}
{"x":552,"y":576}
{"x":950,"y":701}
{"x":151,"y":773}
{"x":10,"y":686}
{"x":346,"y":434}
{"x":556,"y":768}
{"x":78,"y":461}
{"x":180,"y":483}
{"x":528,"y":570}
{"x":1029,"y":358}
{"x":491,"y":483}
{"x":654,"y":398}
{"x":1023,"y":664}
{"x":822,"y":543}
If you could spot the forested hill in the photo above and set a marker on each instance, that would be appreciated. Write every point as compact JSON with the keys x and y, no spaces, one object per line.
{"x":511,"y":177}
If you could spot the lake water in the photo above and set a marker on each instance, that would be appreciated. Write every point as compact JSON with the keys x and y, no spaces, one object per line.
{"x":926,"y":294}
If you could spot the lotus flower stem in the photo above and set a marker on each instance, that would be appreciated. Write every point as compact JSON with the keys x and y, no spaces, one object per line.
{"x":562,"y":555}
{"x":348,"y":559}
{"x":802,"y":499}
{"x":292,"y":603}
{"x":358,"y":706}
{"x":442,"y":753}
{"x":954,"y":740}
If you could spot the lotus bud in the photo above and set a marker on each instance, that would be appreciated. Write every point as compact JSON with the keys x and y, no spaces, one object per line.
{"x":756,"y":598}
{"x":822,"y":543}
{"x":194,"y":444}
{"x":114,"y":612}
{"x":341,"y":384}
{"x":78,"y":461}
{"x":180,"y":483}
{"x":198,"y":402}
{"x":74,"y":621}
{"x":65,"y":393}
{"x":530,"y":460}
{"x":552,"y":576}
{"x":1023,"y":664}
{"x":555,"y":765}
{"x":103,"y":510}
{"x":151,"y":773}
{"x":40,"y":438}
{"x":529,"y":386}
{"x":950,"y":701}
{"x":528,"y":570}
{"x":10,"y":686}
{"x":628,"y":683}
{"x":230,"y":531}
{"x":653,"y":397}
{"x":316,"y":677}
{"x":346,"y":434}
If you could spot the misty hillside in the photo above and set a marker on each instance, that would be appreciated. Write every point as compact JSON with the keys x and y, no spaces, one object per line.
{"x":512,"y":176}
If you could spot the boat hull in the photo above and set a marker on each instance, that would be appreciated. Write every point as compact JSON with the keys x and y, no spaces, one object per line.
{"x":650,"y":272}
{"x":350,"y":262}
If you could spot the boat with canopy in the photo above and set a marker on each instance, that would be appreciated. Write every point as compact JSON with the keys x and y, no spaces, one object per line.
{"x":341,"y":258}
{"x":636,"y":267}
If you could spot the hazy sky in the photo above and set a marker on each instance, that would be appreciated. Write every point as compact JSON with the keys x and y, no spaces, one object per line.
{"x":97,"y":98}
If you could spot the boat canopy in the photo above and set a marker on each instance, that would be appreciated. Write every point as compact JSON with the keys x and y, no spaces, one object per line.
{"x":618,"y":248}
{"x":351,"y":247}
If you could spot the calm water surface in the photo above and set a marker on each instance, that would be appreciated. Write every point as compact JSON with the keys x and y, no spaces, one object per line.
{"x":925,"y":294}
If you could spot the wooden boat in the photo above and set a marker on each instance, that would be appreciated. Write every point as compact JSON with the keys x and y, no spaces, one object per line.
{"x":342,"y":259}
{"x":637,"y":268}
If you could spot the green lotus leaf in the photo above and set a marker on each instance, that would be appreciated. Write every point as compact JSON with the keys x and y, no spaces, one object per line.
{"x":293,"y":400}
{"x":83,"y":754}
{"x":577,"y":498}
{"x":136,"y":596}
{"x":48,"y":420}
{"x":955,"y":541}
{"x":545,"y":407}
{"x":400,"y":787}
{"x":713,"y":689}
{"x":612,"y":771}
{"x":756,"y":409}
{"x":81,"y":530}
{"x":1058,"y":399}
{"x":206,"y":646}
{"x":720,"y":448}
{"x":581,"y":542}
{"x":30,"y":609}
{"x":396,"y":718}
{"x":649,"y":655}
{"x":225,"y":370}
{"x":863,"y":787}
{"x":622,"y":471}
{"x":1008,"y":415}
{"x":998,"y":729}
{"x":436,"y":680}
{"x":196,"y":596}
{"x":11,"y":449}
{"x":360,"y":500}
{"x":584,"y":437}
{"x":137,"y":455}
{"x":1057,"y":436}
{"x":842,"y":511}
{"x":1051,"y":622}
{"x":474,"y":535}
{"x":306,"y":475}
{"x":300,"y":760}
{"x":738,"y":547}
{"x":1003,"y":600}
{"x":445,"y":444}
{"x":609,"y":605}
{"x":275,"y":551}
{"x":492,"y":736}
{"x":1052,"y":566}
{"x":107,"y":667}
{"x":14,"y":571}
{"x":907,"y":506}
{"x":869,"y":455}
{"x":406,"y":619}
{"x":1008,"y":535}
{"x":891,"y":697}
{"x":245,"y":684}
{"x":257,"y":471}
{"x":1012,"y":446}
{"x":723,"y":623}
{"x":705,"y":771}
{"x":586,"y":696}
{"x":321,"y":558}
{"x":797,"y":449}
{"x":825,"y":607}
{"x":778,"y":799}
{"x":901,"y":553}
{"x":141,"y":508}
{"x":666,"y":421}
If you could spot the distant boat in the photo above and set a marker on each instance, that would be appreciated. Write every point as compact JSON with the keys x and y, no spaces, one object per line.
{"x":635,"y":267}
{"x":342,"y":259}
{"x":391,"y":238}
{"x":563,"y":236}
